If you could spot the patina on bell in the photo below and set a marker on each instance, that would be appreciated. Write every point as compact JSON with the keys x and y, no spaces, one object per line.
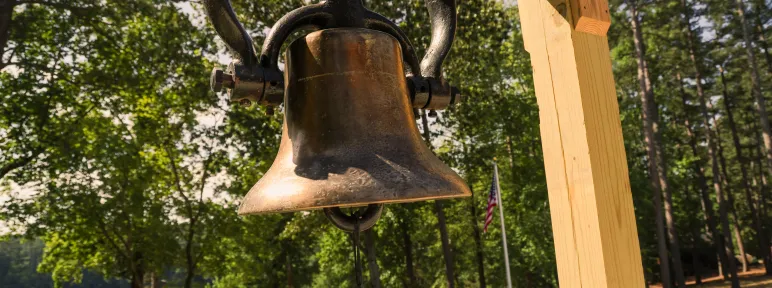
{"x":349,"y":136}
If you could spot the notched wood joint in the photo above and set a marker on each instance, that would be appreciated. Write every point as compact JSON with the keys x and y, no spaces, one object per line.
{"x":591,"y":16}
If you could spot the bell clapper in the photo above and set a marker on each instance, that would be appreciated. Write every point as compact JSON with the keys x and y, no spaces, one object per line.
{"x":357,"y":261}
{"x":355,"y":223}
{"x":359,"y":220}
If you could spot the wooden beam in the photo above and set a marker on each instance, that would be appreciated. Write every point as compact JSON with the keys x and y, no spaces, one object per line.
{"x":591,"y":16}
{"x":593,"y":220}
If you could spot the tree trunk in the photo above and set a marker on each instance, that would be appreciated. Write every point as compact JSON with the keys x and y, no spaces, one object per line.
{"x":19,"y":162}
{"x":713,"y":156}
{"x":189,"y":257}
{"x":696,"y":245}
{"x":446,"y":249}
{"x":697,"y":266}
{"x":656,"y":169}
{"x":675,"y":246}
{"x":759,"y":180}
{"x":511,"y":152}
{"x":154,"y":281}
{"x":763,"y":185}
{"x":762,"y":199}
{"x":761,"y":108}
{"x":740,"y":246}
{"x":477,"y":240}
{"x":755,"y":217}
{"x":731,"y":265}
{"x":408,"y":247}
{"x":761,"y":7}
{"x":138,"y":272}
{"x":372,"y":262}
{"x":6,"y":17}
{"x":730,"y":196}
{"x":288,"y":263}
{"x":702,"y":185}
{"x":712,"y":150}
{"x":137,"y":281}
{"x":696,"y":263}
{"x":764,"y":210}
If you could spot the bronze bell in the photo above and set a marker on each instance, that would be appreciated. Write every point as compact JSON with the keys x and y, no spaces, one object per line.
{"x":349,"y":136}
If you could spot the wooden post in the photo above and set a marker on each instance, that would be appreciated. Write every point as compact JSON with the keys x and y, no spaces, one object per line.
{"x":593,"y":220}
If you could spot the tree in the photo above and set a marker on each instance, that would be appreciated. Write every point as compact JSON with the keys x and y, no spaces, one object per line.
{"x":657,"y":170}
{"x":761,"y":109}
{"x":697,"y":65}
{"x":447,"y":250}
{"x":372,"y":262}
{"x":132,"y":171}
{"x":33,"y":122}
{"x":112,"y":149}
{"x":702,"y":184}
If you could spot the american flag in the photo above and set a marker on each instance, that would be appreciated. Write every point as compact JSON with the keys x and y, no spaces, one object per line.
{"x":492,"y":201}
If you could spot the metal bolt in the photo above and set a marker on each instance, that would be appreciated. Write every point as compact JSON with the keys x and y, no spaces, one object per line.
{"x":245,"y":103}
{"x":220,"y":79}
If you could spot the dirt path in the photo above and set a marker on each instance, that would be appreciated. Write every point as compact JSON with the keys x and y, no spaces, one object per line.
{"x":754,"y":278}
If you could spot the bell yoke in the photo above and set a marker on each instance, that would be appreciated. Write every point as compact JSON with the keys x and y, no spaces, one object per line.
{"x":349,"y":137}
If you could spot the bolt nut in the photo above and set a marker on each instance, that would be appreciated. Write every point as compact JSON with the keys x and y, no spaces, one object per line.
{"x":220,"y":79}
{"x":245,"y":103}
{"x":433,"y":113}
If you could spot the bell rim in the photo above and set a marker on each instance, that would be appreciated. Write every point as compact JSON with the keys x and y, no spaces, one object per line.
{"x":466,"y":193}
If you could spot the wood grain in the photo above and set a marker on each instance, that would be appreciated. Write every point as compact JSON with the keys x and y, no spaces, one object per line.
{"x":591,"y":16}
{"x":595,"y":234}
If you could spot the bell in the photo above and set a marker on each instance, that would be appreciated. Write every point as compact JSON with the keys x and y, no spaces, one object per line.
{"x":349,"y":136}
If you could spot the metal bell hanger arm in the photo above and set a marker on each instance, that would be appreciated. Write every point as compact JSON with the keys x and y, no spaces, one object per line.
{"x":245,"y":79}
{"x":306,"y":16}
{"x":334,"y":14}
{"x":230,"y":30}
{"x":259,"y":79}
{"x":431,"y":91}
{"x":443,"y":19}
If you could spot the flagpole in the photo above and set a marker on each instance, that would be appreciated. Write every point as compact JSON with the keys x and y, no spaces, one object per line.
{"x":503,"y":229}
